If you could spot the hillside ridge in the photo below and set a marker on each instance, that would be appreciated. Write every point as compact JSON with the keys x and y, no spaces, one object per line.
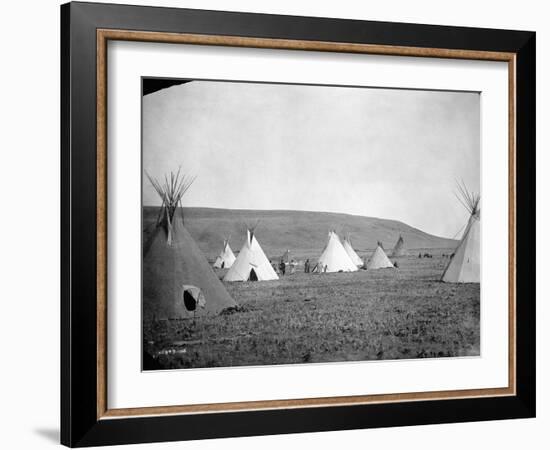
{"x":303,"y":232}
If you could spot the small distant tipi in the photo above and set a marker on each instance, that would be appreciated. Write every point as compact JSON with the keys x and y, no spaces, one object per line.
{"x":226,"y":257}
{"x":251,"y":263}
{"x":334,"y":257}
{"x":351,"y":252}
{"x":379,"y":259}
{"x":399,"y":249}
{"x":464,"y":264}
{"x":178,"y":281}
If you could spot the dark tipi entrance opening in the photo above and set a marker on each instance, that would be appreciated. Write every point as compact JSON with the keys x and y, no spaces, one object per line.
{"x":193,"y":298}
{"x":253,"y":276}
{"x":189,"y":301}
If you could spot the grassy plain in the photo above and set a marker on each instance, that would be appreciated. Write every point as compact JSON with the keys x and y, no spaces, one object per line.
{"x":309,"y":318}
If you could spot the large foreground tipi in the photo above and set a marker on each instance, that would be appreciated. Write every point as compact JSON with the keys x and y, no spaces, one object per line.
{"x":464,"y":264}
{"x":226,"y":257}
{"x":351,"y":252}
{"x":178,"y":282}
{"x":334,"y":257}
{"x":379,"y":260}
{"x":399,"y":249}
{"x":251,"y":263}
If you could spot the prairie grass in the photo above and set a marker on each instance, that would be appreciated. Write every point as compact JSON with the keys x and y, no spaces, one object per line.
{"x":312,"y":318}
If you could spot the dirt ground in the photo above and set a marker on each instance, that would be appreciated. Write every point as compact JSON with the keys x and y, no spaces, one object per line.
{"x":308,"y":318}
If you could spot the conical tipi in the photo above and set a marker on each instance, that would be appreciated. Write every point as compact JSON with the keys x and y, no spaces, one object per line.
{"x":399,"y":249}
{"x":379,"y":260}
{"x":334,"y":257}
{"x":351,"y":252}
{"x":178,"y":282}
{"x":464,"y":265}
{"x":226,"y":258}
{"x":251,"y":263}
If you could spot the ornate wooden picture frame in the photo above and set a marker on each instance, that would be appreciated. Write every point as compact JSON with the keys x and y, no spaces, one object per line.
{"x":86,"y":418}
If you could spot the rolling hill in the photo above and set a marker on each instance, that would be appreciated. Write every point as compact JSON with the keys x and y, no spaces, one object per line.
{"x":303,"y":232}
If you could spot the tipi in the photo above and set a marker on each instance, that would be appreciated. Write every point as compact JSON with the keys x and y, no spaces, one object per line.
{"x":464,"y":265}
{"x":334,"y":257}
{"x":378,"y":260}
{"x":251,"y":263}
{"x":226,"y":258}
{"x":178,"y":282}
{"x":399,"y":249}
{"x":351,"y":252}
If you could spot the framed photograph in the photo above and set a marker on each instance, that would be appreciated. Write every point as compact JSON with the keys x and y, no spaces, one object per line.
{"x":276,"y":224}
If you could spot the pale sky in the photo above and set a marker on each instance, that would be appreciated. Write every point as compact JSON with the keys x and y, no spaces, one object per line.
{"x":386,"y":153}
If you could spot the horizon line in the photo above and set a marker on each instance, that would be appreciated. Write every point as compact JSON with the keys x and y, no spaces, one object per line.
{"x":308,"y":211}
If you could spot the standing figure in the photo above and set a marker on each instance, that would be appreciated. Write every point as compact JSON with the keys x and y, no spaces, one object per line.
{"x":293,"y":265}
{"x":282,"y":267}
{"x":306,"y":266}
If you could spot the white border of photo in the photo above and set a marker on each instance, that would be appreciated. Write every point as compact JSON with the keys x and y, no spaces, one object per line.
{"x":128,"y":386}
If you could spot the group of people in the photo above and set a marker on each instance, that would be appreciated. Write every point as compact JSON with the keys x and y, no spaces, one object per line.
{"x":280,"y":268}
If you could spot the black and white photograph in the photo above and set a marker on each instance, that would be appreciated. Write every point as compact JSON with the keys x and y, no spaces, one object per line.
{"x":299,"y":224}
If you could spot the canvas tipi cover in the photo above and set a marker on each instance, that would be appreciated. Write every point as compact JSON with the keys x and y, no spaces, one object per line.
{"x":379,"y":260}
{"x":178,"y":281}
{"x":464,"y":266}
{"x":352,"y":253}
{"x":399,"y":249}
{"x":251,"y":263}
{"x":334,"y":257}
{"x":226,"y":258}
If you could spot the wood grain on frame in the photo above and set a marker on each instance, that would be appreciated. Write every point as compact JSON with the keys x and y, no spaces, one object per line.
{"x":512,"y":223}
{"x":101,"y":223}
{"x":104,"y":35}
